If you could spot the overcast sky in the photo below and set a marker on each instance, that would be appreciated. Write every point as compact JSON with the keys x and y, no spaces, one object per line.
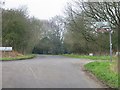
{"x":42,"y":9}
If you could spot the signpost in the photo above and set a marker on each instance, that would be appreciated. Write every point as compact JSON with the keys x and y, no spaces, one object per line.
{"x":4,"y":49}
{"x":105,"y":27}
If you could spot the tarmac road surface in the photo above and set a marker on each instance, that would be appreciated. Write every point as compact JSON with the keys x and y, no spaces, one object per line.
{"x":47,"y":71}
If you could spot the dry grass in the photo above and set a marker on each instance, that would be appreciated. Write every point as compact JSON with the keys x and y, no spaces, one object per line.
{"x":11,"y":54}
{"x":114,"y":65}
{"x":7,"y":56}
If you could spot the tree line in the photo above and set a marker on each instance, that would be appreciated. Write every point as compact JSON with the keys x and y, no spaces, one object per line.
{"x":30,"y":35}
{"x":72,"y":33}
{"x":81,"y":36}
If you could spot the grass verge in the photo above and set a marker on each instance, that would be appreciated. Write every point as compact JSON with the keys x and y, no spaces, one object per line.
{"x":22,"y":57}
{"x":90,"y":57}
{"x":102,"y":71}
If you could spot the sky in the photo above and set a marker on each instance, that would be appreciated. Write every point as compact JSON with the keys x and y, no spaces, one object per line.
{"x":42,"y":9}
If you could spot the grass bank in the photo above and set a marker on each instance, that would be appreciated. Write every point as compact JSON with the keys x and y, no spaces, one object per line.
{"x":90,"y":57}
{"x":102,"y":70}
{"x":22,"y":57}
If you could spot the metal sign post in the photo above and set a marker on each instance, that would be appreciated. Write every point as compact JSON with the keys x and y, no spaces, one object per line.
{"x":105,"y":27}
{"x":110,"y":34}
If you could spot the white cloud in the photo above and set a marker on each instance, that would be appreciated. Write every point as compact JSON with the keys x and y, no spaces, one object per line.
{"x":43,"y":9}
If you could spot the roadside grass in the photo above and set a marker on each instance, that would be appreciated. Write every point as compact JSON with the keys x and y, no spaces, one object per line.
{"x":90,"y":57}
{"x":21,"y":57}
{"x":103,"y":72}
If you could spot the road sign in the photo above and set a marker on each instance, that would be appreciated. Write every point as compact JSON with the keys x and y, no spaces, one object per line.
{"x":5,"y":48}
{"x":102,"y":27}
{"x":102,"y":24}
{"x":101,"y":30}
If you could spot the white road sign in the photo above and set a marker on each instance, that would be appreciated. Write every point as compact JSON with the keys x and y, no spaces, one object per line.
{"x":5,"y":48}
{"x":102,"y":25}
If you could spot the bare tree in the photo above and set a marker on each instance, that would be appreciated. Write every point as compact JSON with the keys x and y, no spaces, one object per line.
{"x":102,"y":11}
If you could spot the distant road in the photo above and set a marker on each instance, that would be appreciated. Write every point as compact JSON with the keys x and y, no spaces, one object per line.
{"x":47,"y":71}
